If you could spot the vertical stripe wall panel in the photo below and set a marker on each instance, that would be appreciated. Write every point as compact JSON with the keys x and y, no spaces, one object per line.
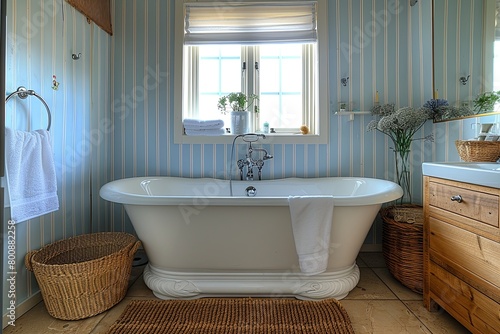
{"x":458,"y":42}
{"x":101,"y":127}
{"x":42,"y":35}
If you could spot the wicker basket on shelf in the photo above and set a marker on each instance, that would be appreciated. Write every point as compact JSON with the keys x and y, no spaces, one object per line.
{"x":478,"y":150}
{"x":83,"y":276}
{"x":402,"y":246}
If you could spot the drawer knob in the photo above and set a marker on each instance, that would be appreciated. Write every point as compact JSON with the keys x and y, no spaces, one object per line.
{"x":457,"y":198}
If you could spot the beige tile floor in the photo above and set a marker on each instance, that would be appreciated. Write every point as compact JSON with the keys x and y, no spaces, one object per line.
{"x":378,"y":304}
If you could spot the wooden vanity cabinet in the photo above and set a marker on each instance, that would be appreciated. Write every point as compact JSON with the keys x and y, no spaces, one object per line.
{"x":462,"y":252}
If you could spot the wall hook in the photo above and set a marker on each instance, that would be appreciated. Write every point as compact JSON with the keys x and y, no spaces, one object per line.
{"x":76,"y":56}
{"x":464,"y":80}
{"x":344,"y":81}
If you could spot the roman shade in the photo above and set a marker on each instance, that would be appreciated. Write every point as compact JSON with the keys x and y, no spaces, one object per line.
{"x":250,"y":23}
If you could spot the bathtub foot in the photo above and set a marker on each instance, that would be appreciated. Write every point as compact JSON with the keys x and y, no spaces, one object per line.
{"x":337,"y":288}
{"x":190,"y":285}
{"x":166,"y":288}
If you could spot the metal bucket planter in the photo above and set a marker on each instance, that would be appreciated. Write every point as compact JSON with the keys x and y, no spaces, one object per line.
{"x":239,"y":122}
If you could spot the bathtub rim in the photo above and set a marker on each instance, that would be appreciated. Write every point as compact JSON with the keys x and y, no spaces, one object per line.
{"x":111,"y":192}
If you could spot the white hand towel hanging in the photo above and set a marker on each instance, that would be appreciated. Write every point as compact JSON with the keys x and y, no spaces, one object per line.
{"x":31,"y":175}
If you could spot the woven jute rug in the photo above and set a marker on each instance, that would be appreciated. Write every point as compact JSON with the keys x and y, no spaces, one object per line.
{"x":233,"y":315}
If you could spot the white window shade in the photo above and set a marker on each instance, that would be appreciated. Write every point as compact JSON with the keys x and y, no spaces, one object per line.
{"x":250,"y":23}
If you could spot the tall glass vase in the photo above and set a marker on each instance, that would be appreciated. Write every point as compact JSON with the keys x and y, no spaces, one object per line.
{"x":403,"y":176}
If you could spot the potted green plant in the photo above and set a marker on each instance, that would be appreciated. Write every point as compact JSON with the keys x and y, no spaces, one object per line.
{"x":485,"y":102}
{"x":239,"y":103}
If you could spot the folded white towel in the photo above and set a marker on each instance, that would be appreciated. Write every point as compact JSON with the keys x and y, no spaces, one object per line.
{"x":31,"y":174}
{"x":199,"y":124}
{"x":311,"y":225}
{"x":205,"y":132}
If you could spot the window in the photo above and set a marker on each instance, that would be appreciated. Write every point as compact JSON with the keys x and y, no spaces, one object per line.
{"x":276,"y":77}
{"x":254,"y":54}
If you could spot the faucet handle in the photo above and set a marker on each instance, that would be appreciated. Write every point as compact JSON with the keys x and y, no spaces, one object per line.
{"x":241,"y":163}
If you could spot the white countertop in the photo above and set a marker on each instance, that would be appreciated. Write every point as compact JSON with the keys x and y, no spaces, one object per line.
{"x":481,"y":173}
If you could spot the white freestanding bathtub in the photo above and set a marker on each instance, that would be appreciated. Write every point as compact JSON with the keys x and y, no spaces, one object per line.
{"x":202,"y":242}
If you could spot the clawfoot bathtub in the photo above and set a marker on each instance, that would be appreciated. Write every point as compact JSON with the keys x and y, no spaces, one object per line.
{"x":202,"y":242}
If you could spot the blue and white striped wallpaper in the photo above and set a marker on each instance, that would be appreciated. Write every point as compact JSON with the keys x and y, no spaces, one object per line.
{"x":113,"y":112}
{"x":458,"y":44}
{"x":41,"y":37}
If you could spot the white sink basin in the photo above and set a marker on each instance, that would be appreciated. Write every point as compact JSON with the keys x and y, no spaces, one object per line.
{"x":480,"y":173}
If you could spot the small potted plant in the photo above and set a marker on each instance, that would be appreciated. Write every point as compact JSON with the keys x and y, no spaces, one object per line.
{"x":486,"y":102}
{"x":239,"y":103}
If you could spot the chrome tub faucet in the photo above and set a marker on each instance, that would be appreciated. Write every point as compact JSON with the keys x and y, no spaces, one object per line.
{"x":250,"y":162}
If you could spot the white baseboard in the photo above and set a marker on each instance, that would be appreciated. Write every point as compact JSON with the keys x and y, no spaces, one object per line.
{"x":22,"y":308}
{"x":371,"y":248}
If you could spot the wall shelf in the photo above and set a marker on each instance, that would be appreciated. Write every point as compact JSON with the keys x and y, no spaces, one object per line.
{"x":351,"y":114}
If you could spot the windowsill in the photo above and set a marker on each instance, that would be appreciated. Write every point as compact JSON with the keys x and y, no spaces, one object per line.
{"x":271,"y":138}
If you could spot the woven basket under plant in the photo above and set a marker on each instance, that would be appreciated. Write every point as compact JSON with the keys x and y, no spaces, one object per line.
{"x":402,"y":247}
{"x":83,"y":276}
{"x":478,"y":150}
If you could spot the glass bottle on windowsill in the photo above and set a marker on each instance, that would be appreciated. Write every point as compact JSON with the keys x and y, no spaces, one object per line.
{"x":266,"y":127}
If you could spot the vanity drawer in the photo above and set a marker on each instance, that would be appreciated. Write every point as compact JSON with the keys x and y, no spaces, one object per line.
{"x":475,"y":204}
{"x":469,"y":255}
{"x":473,"y":309}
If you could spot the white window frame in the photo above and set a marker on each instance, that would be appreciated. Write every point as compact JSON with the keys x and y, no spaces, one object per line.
{"x":278,"y":138}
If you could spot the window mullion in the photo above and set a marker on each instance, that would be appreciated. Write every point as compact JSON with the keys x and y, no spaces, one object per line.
{"x":255,"y":84}
{"x":309,"y":87}
{"x":192,"y":86}
{"x":249,"y":79}
{"x":256,"y":71}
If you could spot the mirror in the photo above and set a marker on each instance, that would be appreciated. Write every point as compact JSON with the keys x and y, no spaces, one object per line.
{"x":463,"y":49}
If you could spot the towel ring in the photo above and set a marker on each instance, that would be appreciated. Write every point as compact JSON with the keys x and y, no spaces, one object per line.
{"x":23,"y":93}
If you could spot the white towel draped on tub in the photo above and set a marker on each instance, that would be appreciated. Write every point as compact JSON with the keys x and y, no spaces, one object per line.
{"x":31,"y":174}
{"x":311,"y":224}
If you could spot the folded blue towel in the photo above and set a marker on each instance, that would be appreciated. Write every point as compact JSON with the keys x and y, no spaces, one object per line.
{"x":199,"y":124}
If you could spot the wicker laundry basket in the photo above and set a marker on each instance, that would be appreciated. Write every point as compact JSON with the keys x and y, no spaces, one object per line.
{"x":478,"y":151}
{"x":83,"y":276}
{"x":402,"y":247}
